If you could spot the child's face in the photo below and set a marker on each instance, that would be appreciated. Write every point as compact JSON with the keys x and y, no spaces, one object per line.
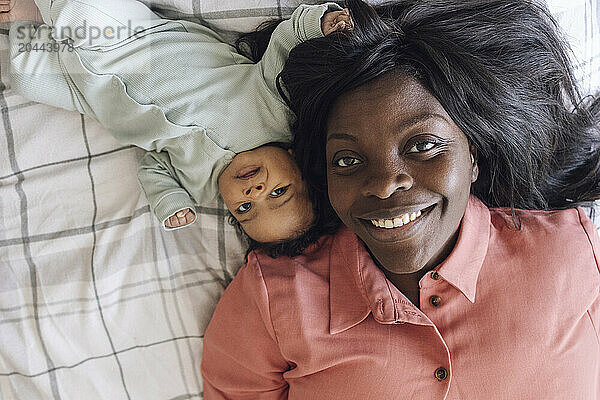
{"x":264,"y":191}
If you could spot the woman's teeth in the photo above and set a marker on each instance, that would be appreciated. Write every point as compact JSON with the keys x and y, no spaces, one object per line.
{"x":396,"y":222}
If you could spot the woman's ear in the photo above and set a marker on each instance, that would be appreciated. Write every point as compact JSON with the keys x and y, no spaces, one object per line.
{"x":474,"y":166}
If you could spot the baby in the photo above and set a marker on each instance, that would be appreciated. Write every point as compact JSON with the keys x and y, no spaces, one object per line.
{"x":211,"y":120}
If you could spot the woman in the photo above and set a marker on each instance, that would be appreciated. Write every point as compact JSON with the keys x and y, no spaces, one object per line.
{"x":453,"y":146}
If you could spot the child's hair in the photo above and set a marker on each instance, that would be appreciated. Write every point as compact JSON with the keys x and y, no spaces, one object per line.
{"x":499,"y":68}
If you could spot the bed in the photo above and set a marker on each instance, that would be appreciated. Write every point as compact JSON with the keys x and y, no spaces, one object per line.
{"x":96,"y":300}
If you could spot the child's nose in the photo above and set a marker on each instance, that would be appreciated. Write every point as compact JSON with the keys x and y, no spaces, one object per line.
{"x":255,"y":190}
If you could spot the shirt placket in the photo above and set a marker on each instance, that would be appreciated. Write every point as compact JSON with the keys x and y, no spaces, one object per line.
{"x":431,"y":305}
{"x":440,"y":369}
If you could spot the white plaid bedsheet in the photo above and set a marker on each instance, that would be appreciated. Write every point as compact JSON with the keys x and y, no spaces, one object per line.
{"x":96,"y":300}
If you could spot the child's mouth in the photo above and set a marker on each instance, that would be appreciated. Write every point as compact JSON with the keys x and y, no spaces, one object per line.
{"x":248,"y":172}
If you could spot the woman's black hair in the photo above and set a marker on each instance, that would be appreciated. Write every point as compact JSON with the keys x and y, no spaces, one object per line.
{"x":254,"y":44}
{"x":499,"y":68}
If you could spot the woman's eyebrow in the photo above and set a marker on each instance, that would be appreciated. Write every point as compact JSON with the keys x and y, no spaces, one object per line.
{"x":403,"y":125}
{"x":420,"y":118}
{"x":341,"y":136}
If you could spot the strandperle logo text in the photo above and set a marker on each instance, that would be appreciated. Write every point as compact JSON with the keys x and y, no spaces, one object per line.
{"x":82,"y":32}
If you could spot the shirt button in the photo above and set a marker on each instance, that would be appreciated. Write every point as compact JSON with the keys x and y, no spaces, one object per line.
{"x":435,"y":276}
{"x":435,"y":300}
{"x":440,"y":374}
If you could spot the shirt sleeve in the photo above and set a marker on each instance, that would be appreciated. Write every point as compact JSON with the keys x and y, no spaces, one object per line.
{"x":162,"y":189}
{"x":35,"y":68}
{"x":304,"y":24}
{"x":594,"y":238}
{"x":241,"y":357}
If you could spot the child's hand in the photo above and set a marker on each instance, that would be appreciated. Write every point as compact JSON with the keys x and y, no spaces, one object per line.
{"x":180,"y":218}
{"x":336,"y":21}
{"x":5,"y":5}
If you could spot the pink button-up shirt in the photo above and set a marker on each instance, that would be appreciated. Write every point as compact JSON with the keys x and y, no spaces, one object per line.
{"x":516,"y":316}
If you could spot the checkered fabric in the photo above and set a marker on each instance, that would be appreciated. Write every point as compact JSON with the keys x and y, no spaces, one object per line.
{"x":96,"y":300}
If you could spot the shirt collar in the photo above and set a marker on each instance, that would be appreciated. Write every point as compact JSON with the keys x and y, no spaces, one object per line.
{"x":358,"y":287}
{"x":461,"y":268}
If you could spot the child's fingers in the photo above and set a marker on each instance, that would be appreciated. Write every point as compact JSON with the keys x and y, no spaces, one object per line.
{"x":340,"y":26}
{"x":342,"y":21}
{"x":190,"y":217}
{"x":346,"y":19}
{"x":332,"y":21}
{"x":180,"y":215}
{"x":180,"y":218}
{"x":343,"y":18}
{"x":331,"y":17}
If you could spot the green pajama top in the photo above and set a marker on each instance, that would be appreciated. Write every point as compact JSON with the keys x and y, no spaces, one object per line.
{"x":173,"y":88}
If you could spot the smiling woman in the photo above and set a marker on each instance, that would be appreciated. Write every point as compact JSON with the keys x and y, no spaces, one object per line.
{"x":449,"y":141}
{"x":393,"y":152}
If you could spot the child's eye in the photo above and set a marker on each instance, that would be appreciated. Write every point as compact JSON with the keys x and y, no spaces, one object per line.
{"x":347,"y":162}
{"x":279,"y":191}
{"x":422,"y":146}
{"x":244,"y":208}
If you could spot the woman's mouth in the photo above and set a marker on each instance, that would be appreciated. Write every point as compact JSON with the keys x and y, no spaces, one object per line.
{"x":248,"y":172}
{"x":396,"y":222}
{"x":397,"y":227}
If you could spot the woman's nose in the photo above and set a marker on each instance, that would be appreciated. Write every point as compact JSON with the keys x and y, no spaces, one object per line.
{"x":254,"y":190}
{"x":384,"y":183}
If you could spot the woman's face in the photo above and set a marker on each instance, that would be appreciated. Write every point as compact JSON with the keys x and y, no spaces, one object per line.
{"x":399,"y":172}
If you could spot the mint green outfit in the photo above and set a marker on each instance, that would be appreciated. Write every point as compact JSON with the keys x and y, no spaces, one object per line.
{"x":170,"y":87}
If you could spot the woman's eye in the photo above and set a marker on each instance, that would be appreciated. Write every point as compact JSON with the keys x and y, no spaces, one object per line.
{"x":279,"y":191}
{"x":347,"y":162}
{"x":244,"y":207}
{"x":422,"y":146}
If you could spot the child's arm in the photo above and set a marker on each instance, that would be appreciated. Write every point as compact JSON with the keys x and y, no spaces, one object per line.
{"x":307,"y":22}
{"x":39,"y":74}
{"x":170,"y":202}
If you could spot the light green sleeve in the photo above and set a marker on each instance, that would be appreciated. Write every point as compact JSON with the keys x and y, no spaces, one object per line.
{"x":39,"y":75}
{"x":304,"y":24}
{"x":163,"y":190}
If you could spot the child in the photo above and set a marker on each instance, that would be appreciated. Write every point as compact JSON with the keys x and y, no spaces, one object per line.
{"x":210,"y":119}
